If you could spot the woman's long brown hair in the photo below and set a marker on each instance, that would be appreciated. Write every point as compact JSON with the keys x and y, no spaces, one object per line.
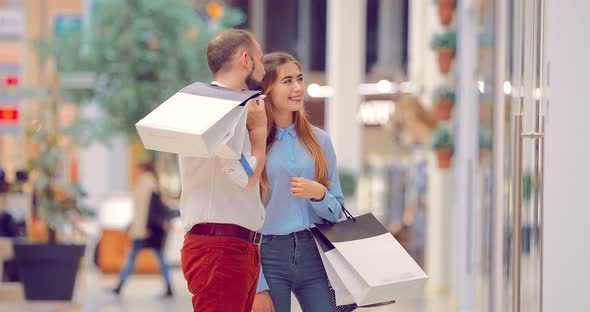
{"x":272,"y":62}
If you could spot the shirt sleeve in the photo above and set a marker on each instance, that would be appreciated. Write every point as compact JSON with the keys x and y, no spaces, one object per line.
{"x":239,"y":170}
{"x":330,"y":207}
{"x":262,"y":284}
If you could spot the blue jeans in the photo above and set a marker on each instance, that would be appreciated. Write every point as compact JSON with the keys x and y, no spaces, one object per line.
{"x":292,"y":263}
{"x":137,"y":246}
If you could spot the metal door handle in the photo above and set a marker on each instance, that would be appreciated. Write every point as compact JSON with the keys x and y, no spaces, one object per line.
{"x":519,"y":137}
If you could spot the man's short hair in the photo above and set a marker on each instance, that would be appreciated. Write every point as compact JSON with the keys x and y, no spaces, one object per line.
{"x":225,"y":45}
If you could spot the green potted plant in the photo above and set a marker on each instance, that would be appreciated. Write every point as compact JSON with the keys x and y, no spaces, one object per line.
{"x":444,"y":99}
{"x":485,"y":45}
{"x":446,"y":10}
{"x":48,"y":259}
{"x":55,"y":255}
{"x":442,"y":143}
{"x":445,"y":44}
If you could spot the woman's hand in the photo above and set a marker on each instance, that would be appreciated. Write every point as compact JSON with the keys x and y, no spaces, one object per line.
{"x":304,"y":188}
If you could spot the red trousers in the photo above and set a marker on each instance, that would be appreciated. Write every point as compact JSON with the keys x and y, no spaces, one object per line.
{"x":221,"y":272}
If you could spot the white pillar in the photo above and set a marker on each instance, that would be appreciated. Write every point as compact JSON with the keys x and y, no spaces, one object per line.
{"x":423,"y":71}
{"x":345,"y":71}
{"x":103,"y":169}
{"x":304,"y":34}
{"x":258,"y":21}
{"x":566,"y":166}
{"x":465,"y":212}
{"x":389,"y":56}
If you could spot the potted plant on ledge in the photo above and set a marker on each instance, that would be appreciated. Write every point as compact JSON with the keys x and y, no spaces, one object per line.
{"x":446,"y":10}
{"x":445,"y":44}
{"x":444,"y":102}
{"x":442,"y":143}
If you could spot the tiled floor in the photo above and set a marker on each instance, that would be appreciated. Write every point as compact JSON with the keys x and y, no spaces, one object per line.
{"x":143,"y":293}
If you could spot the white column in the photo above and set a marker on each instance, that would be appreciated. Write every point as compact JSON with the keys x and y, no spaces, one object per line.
{"x":389,"y":58}
{"x":464,"y":211}
{"x":304,"y":34}
{"x":258,"y":21}
{"x":565,"y":222}
{"x":423,"y":70}
{"x":103,"y":169}
{"x":345,"y":71}
{"x":422,"y":62}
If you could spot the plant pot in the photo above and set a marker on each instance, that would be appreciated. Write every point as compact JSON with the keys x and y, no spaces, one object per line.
{"x":485,"y":157}
{"x":446,"y":10}
{"x":443,"y":157}
{"x":484,"y":55}
{"x":445,"y":59}
{"x":485,"y":113}
{"x":38,"y":230}
{"x":48,"y":271}
{"x":443,"y":109}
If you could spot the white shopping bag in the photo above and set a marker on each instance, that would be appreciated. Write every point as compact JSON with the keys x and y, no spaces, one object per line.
{"x":201,"y":120}
{"x":343,"y":296}
{"x":370,"y":263}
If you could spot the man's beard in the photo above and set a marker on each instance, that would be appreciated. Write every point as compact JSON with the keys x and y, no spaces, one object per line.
{"x":251,"y":82}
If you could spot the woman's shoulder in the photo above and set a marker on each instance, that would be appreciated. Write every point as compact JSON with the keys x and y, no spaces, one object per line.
{"x":322,"y":136}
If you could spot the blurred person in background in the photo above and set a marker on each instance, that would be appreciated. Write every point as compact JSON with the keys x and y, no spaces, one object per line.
{"x":149,"y":226}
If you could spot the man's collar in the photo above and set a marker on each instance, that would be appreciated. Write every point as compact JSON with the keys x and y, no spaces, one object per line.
{"x":215,"y":83}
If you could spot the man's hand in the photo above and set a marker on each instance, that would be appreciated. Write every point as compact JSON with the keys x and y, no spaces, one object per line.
{"x":256,"y":115}
{"x":305,"y":188}
{"x":263,"y":302}
{"x":256,"y":124}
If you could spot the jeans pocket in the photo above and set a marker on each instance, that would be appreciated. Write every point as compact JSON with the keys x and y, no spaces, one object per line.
{"x":267,"y":240}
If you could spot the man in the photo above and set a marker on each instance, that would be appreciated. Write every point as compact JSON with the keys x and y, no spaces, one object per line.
{"x":220,"y":205}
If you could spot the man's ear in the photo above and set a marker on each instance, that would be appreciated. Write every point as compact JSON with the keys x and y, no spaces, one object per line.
{"x":245,"y":59}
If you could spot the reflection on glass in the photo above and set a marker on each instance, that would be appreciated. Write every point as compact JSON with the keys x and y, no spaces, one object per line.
{"x":484,"y":211}
{"x":525,"y":101}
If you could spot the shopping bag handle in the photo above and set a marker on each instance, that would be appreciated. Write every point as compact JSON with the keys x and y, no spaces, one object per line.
{"x":347,"y":214}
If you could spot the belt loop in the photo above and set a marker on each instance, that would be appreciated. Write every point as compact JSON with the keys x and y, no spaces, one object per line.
{"x":212,"y":229}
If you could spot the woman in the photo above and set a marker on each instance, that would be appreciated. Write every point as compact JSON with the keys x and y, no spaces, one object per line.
{"x":143,"y":232}
{"x":299,"y":187}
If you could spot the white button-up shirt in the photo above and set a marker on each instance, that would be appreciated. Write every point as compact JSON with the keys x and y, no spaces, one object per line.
{"x":213,"y":191}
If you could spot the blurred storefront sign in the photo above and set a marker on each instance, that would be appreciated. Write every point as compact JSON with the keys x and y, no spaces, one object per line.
{"x":12,"y":24}
{"x":10,"y":52}
{"x":64,"y":24}
{"x":12,"y":32}
{"x":9,"y":120}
